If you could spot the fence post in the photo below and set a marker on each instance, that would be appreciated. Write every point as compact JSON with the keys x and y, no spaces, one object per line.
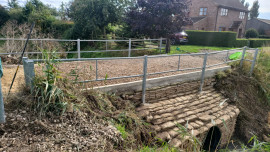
{"x":253,"y":62}
{"x":243,"y":56}
{"x":2,"y":109}
{"x":29,"y":72}
{"x":79,"y":48}
{"x":129,"y":48}
{"x":144,"y":78}
{"x":178,"y":68}
{"x":96,"y":69}
{"x":160,"y":45}
{"x":106,"y":45}
{"x":203,"y":71}
{"x":227,"y":56}
{"x":41,"y":44}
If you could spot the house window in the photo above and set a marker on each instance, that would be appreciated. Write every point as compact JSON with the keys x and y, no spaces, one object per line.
{"x":224,"y":12}
{"x":242,"y":15}
{"x":203,"y":11}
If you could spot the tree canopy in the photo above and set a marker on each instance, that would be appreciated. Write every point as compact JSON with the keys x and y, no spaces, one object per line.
{"x":4,"y":16}
{"x":158,"y":18}
{"x":91,"y":17}
{"x":254,"y":12}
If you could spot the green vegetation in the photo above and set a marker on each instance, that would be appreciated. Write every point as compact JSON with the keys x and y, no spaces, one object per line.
{"x":211,"y":38}
{"x":225,"y":39}
{"x":176,"y":49}
{"x":122,"y":130}
{"x":164,"y":148}
{"x":252,"y":33}
{"x":262,"y":70}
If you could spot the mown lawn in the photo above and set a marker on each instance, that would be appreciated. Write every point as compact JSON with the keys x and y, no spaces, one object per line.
{"x":176,"y":49}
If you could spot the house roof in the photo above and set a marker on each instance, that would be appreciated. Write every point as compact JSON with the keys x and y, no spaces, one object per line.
{"x":197,"y":19}
{"x":236,"y":4}
{"x":264,"y":20}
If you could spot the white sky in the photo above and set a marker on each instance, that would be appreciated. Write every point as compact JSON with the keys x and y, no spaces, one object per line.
{"x":54,"y":3}
{"x":264,"y":5}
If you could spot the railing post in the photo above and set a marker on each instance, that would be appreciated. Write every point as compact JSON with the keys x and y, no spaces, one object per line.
{"x":106,"y":45}
{"x":203,"y":71}
{"x":41,"y":43}
{"x":160,"y":45}
{"x":178,"y":68}
{"x":129,"y":48}
{"x":29,"y":72}
{"x":253,"y":62}
{"x":243,"y":56}
{"x":96,"y":69}
{"x":79,"y":48}
{"x":144,"y":78}
{"x":2,"y":109}
{"x":227,"y":56}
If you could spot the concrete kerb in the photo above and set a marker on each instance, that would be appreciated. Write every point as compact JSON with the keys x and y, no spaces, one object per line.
{"x":162,"y":81}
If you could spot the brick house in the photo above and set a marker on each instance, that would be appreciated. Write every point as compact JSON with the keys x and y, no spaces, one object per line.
{"x":261,"y":25}
{"x":218,"y":15}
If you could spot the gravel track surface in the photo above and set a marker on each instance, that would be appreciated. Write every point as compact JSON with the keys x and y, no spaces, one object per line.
{"x":86,"y":70}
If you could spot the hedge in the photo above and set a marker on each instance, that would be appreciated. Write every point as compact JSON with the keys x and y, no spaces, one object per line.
{"x":211,"y":38}
{"x":224,"y":39}
{"x":255,"y":43}
{"x":264,"y":36}
{"x":240,"y":43}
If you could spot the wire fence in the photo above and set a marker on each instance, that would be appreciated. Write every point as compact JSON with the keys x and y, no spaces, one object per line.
{"x":132,"y":68}
{"x":128,"y":46}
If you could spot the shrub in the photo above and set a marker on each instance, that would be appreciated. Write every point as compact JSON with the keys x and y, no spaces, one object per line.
{"x":254,"y":43}
{"x":252,"y":33}
{"x":211,"y":38}
{"x":60,"y":28}
{"x":241,"y":43}
{"x":264,"y":36}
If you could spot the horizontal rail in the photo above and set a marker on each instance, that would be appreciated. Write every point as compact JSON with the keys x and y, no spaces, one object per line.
{"x":113,"y":78}
{"x":90,"y":59}
{"x":66,"y":40}
{"x":248,"y":60}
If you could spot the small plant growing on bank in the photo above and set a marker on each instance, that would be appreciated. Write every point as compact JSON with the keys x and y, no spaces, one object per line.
{"x":49,"y":96}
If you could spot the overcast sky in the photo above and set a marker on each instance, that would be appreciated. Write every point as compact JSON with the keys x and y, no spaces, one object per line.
{"x":264,"y":5}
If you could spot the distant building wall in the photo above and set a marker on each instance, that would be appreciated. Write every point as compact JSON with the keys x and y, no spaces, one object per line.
{"x":257,"y":24}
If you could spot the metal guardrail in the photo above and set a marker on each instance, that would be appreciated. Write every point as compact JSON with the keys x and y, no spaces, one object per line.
{"x":29,"y":65}
{"x":78,"y":41}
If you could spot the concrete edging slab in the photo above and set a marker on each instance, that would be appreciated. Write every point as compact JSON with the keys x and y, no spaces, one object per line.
{"x":161,"y":81}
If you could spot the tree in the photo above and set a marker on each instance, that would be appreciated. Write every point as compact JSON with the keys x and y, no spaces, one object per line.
{"x":91,"y":17}
{"x":158,"y":18}
{"x":247,"y":5}
{"x":252,"y":33}
{"x":254,"y":12}
{"x":13,"y":4}
{"x":4,"y":16}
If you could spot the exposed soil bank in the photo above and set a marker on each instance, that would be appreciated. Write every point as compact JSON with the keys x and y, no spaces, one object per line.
{"x":245,"y":92}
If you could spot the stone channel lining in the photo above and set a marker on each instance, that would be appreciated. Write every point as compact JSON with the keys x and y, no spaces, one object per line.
{"x":198,"y":112}
{"x":175,"y":100}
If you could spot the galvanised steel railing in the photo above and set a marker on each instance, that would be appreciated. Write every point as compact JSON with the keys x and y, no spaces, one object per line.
{"x":29,"y":66}
{"x":78,"y":42}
